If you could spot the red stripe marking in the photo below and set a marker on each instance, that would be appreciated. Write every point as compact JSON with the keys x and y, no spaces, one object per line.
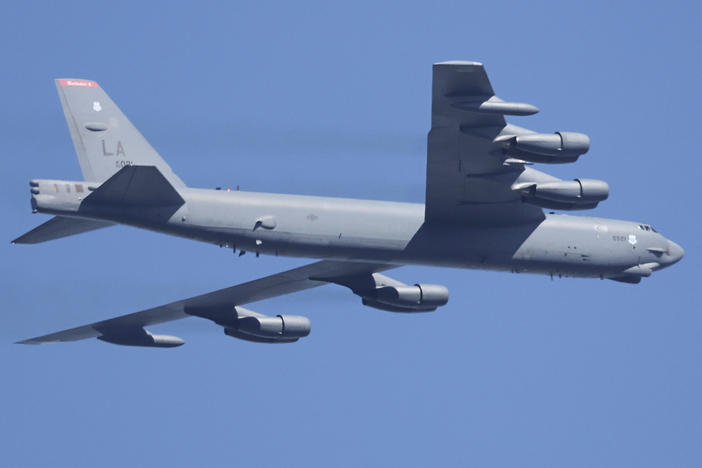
{"x":81,"y":83}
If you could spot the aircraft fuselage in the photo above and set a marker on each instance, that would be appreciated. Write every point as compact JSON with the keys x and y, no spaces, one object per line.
{"x":379,"y":231}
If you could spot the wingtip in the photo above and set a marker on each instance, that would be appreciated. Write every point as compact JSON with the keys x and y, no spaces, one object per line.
{"x":20,"y":240}
{"x":34,"y":341}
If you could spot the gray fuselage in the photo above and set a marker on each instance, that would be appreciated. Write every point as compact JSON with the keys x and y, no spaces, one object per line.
{"x":378,"y":231}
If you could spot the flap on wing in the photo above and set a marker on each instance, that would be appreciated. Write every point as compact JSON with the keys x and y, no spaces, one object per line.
{"x":136,"y":185}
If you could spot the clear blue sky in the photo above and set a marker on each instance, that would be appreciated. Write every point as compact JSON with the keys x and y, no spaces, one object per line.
{"x":334,"y":99}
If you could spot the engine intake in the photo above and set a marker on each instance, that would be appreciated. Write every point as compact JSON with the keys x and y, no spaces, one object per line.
{"x":556,"y":148}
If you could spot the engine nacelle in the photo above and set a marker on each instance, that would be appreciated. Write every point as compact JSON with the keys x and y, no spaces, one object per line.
{"x":248,"y":325}
{"x":264,"y":329}
{"x":555,"y":148}
{"x":578,"y":194}
{"x":417,"y":298}
{"x":280,"y":326}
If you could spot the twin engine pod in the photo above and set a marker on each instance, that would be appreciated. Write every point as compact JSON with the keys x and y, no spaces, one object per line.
{"x":578,"y":194}
{"x":550,"y":148}
{"x":259,"y":328}
{"x":417,"y":298}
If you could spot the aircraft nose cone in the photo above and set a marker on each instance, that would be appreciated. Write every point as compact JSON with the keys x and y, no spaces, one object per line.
{"x":675,"y":252}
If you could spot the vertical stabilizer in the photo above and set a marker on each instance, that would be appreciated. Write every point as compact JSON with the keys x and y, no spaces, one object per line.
{"x":104,"y":139}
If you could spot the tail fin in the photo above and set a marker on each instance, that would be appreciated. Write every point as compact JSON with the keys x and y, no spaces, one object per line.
{"x":104,"y":139}
{"x":58,"y":227}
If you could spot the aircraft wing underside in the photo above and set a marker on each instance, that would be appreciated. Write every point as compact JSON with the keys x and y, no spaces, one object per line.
{"x":212,"y":304}
{"x":469,"y":177}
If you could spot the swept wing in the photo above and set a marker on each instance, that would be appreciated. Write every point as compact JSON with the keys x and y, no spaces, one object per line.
{"x":212,"y":304}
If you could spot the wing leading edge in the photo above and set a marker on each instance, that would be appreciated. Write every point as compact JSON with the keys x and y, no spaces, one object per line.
{"x":287,"y":282}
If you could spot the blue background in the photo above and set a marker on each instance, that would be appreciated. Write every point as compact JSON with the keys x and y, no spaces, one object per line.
{"x":334,"y":99}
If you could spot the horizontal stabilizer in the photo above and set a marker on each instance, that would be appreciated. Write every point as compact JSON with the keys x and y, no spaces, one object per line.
{"x":136,"y":185}
{"x":58,"y":227}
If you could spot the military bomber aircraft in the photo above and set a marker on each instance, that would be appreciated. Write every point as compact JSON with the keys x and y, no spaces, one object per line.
{"x":484,"y":210}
